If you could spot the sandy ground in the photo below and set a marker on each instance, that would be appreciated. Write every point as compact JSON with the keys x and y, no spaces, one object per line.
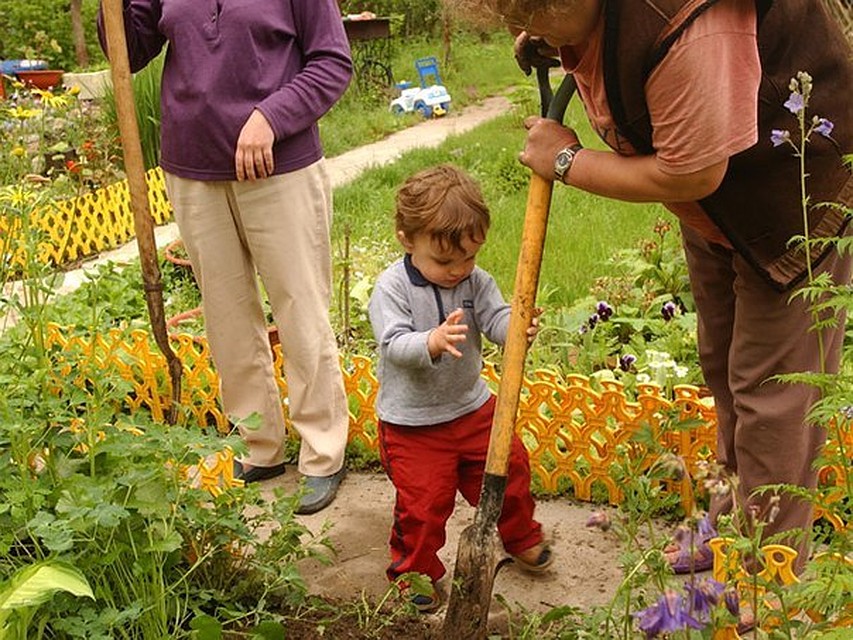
{"x":585,"y":570}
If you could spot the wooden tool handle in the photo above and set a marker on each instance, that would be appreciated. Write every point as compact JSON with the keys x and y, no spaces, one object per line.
{"x":524,"y":298}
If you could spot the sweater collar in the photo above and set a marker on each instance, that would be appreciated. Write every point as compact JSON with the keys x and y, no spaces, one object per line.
{"x":415,"y":276}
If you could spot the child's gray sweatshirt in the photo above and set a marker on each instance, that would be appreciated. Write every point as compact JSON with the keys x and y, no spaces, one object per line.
{"x":414,"y":389}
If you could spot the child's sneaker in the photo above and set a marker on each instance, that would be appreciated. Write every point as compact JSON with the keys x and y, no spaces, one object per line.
{"x":426,"y":603}
{"x":535,"y":559}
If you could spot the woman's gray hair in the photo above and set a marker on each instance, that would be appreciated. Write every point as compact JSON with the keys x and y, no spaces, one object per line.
{"x":496,"y":12}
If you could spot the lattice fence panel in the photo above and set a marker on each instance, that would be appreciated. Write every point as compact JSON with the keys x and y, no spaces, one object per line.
{"x":573,"y":431}
{"x":71,"y":230}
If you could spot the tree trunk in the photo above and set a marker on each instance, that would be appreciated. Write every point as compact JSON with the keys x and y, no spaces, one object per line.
{"x":447,"y":35}
{"x":78,"y":35}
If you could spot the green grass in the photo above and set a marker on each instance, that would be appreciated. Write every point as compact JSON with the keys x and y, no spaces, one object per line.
{"x":584,"y":230}
{"x":363,"y":117}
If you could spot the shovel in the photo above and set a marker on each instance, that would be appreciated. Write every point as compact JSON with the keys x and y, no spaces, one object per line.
{"x":480,"y":553}
{"x":134,"y":167}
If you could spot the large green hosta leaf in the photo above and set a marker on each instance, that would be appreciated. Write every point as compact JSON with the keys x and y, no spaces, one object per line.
{"x":35,"y":585}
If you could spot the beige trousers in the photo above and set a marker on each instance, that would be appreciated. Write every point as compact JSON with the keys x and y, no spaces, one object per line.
{"x":278,"y":229}
{"x":748,"y":333}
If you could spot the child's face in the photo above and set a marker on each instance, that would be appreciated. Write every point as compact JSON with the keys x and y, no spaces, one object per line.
{"x":444,"y":267}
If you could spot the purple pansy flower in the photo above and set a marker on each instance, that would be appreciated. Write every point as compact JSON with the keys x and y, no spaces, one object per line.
{"x":795,"y":103}
{"x":666,"y":616}
{"x":626,"y":361}
{"x":779,"y":136}
{"x":668,"y":310}
{"x":824,"y":127}
{"x":592,"y":321}
{"x":604,"y":311}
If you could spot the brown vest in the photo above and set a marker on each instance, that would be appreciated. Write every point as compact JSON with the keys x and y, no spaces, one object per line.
{"x":758,"y":205}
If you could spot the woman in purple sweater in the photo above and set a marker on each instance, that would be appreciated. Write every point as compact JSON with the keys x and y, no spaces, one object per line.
{"x":244,"y":84}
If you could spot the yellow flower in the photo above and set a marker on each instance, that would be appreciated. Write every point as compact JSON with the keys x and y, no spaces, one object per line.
{"x":18,"y":152}
{"x":22,"y":113}
{"x":17,"y":196}
{"x":53,"y":100}
{"x":73,"y":90}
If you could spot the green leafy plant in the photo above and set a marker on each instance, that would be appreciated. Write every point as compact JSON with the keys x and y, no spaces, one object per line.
{"x":642,"y":327}
{"x":32,"y":586}
{"x":92,"y":486}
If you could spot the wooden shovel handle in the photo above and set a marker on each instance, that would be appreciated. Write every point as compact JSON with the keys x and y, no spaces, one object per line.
{"x":521,"y":313}
{"x":523,"y":302}
{"x":134,"y":167}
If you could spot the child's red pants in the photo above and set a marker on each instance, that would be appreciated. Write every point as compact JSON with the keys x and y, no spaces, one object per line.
{"x":427,"y":465}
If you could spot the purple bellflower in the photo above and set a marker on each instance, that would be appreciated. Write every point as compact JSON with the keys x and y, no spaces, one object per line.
{"x":779,"y":136}
{"x":666,"y":616}
{"x":732,"y":599}
{"x":824,"y":127}
{"x":704,"y":596}
{"x":795,"y":102}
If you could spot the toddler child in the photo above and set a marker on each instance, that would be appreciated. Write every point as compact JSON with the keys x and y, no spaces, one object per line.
{"x":428,"y":311}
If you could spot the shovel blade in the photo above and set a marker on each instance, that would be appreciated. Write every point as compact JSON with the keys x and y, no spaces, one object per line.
{"x":478,"y":559}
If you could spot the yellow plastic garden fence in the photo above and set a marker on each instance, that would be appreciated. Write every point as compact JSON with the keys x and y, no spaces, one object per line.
{"x":573,"y":431}
{"x":78,"y":228}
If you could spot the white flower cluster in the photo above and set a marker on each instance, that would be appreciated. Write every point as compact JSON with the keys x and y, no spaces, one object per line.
{"x":661,"y":369}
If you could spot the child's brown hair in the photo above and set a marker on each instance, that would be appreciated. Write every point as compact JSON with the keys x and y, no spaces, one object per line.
{"x":444,"y":202}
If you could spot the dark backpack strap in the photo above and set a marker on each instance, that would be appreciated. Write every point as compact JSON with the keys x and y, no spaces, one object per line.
{"x":667,"y":42}
{"x":612,"y":85}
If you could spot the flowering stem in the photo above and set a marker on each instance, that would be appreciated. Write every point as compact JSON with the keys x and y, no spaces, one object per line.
{"x":804,"y":201}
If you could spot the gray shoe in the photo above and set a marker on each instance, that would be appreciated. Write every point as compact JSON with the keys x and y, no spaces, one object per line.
{"x":319,"y":492}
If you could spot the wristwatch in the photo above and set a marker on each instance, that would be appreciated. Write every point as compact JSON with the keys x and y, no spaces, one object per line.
{"x":564,"y":159}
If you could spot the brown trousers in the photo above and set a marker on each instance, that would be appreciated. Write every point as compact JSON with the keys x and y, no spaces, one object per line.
{"x":278,"y":229}
{"x":748,"y":332}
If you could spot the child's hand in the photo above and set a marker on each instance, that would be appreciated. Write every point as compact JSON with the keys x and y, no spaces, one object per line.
{"x":533,"y":329}
{"x":447,"y":335}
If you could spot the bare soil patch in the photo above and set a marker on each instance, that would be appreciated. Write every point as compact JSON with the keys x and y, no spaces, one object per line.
{"x":585,"y":572}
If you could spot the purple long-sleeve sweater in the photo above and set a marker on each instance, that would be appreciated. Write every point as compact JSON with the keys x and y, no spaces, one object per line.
{"x":290,"y":59}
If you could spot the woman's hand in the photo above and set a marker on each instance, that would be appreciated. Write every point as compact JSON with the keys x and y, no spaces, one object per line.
{"x":533,"y":329}
{"x":532,"y":53}
{"x":545,"y":138}
{"x":253,"y":159}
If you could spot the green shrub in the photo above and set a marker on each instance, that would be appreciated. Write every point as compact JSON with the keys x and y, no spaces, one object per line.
{"x":41,"y":29}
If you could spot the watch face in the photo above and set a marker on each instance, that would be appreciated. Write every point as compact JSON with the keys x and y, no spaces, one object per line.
{"x":562,"y":162}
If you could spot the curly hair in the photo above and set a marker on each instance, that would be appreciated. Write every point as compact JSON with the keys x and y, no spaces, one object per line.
{"x":444,"y":202}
